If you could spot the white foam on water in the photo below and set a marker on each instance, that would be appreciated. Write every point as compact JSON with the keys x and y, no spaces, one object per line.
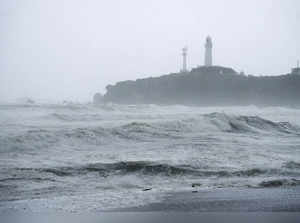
{"x":164,"y":148}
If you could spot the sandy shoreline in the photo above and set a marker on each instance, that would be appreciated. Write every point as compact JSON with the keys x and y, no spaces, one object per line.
{"x":230,"y":205}
{"x":275,"y":199}
{"x":281,"y":199}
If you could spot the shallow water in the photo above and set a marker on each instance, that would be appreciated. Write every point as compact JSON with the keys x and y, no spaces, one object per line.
{"x":83,"y":157}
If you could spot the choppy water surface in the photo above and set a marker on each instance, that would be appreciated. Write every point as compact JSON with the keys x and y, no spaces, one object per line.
{"x":82,"y":157}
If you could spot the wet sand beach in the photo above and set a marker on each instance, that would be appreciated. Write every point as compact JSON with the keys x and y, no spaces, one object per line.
{"x":228,"y":200}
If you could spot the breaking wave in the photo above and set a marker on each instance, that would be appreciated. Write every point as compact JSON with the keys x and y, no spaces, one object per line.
{"x":146,"y":131}
{"x":244,"y":124}
{"x":279,"y":183}
{"x":152,"y":168}
{"x":292,"y":165}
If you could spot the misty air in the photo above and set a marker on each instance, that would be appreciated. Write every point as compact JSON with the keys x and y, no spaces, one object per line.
{"x":149,"y":106}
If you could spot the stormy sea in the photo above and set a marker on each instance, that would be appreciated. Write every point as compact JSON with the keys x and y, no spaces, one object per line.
{"x":79,"y":157}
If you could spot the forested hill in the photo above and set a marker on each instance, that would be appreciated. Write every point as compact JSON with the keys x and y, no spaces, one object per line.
{"x":208,"y":86}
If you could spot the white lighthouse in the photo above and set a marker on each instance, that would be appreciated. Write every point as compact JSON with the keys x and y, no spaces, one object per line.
{"x":208,"y":52}
{"x":184,"y":64}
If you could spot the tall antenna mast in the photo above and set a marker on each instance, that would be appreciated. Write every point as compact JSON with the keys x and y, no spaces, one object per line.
{"x":184,"y":63}
{"x":297,"y":63}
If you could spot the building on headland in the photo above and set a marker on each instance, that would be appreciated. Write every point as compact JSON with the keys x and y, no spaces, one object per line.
{"x":208,"y":60}
{"x":207,"y":85}
{"x":184,"y":61}
{"x":208,"y":52}
{"x":297,"y":69}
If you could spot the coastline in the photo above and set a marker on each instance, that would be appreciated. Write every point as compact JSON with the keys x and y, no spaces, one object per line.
{"x":280,"y":199}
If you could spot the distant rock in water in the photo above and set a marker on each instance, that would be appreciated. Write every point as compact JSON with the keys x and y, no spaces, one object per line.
{"x":98,"y":99}
{"x":25,"y":100}
{"x":30,"y":101}
{"x":208,"y":86}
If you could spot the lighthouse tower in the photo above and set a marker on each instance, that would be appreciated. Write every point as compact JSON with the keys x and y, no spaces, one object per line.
{"x":184,"y":64}
{"x":208,"y":52}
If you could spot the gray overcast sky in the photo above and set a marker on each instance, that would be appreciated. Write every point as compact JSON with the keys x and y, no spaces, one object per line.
{"x":70,"y":49}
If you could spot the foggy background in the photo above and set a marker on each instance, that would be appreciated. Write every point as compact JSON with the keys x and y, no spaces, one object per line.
{"x":70,"y":49}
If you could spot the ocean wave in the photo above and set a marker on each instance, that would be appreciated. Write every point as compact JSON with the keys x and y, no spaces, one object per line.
{"x":279,"y":183}
{"x":76,"y":117}
{"x":145,"y":131}
{"x":119,"y":168}
{"x":249,"y":124}
{"x":34,"y":179}
{"x":292,"y":165}
{"x":42,"y":139}
{"x":224,"y":122}
{"x":153,"y":168}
